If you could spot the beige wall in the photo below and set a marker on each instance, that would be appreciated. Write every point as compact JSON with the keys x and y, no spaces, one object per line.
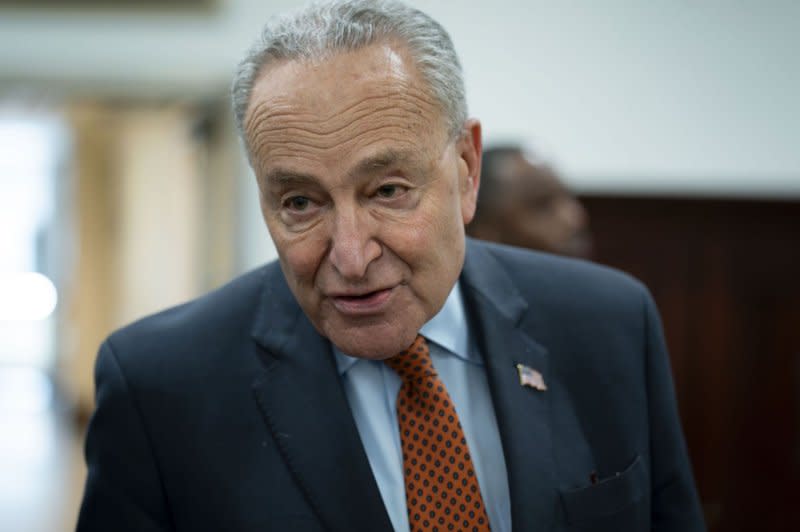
{"x":153,"y":215}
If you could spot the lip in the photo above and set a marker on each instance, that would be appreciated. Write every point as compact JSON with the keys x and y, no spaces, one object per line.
{"x":363,"y":304}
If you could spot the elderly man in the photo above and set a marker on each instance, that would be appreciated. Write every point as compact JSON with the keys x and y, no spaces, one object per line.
{"x":385,"y":373}
{"x":522,"y":202}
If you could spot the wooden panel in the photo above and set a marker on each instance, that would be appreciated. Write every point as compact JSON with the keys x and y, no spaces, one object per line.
{"x":724,"y":274}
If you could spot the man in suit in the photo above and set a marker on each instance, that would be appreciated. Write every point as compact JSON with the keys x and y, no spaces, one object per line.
{"x":385,"y":373}
{"x":522,"y":202}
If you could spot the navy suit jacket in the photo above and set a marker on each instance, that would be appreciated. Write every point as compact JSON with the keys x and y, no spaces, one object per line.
{"x":227,"y":413}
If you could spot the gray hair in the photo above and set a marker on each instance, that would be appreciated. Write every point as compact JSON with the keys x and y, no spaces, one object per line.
{"x":346,"y":25}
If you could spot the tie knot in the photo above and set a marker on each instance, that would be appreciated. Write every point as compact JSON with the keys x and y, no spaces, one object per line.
{"x":414,"y":362}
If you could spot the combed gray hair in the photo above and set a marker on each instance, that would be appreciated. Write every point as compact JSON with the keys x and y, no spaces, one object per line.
{"x":346,"y":25}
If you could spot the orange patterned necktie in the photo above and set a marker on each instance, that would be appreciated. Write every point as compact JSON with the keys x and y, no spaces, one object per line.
{"x":442,"y":491}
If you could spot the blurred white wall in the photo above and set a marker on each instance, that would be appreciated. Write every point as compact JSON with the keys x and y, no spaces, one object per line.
{"x":624,"y":94}
{"x":641,"y":95}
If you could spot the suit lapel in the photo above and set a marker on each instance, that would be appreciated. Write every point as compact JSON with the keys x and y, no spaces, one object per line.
{"x":523,"y":413}
{"x":305,"y":408}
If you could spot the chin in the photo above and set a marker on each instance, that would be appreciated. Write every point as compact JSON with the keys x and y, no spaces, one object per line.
{"x":373,"y":344}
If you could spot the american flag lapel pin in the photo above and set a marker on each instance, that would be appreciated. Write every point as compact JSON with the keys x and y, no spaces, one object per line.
{"x":531,"y":378}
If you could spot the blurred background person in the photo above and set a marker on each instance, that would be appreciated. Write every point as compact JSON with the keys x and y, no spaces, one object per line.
{"x":523,"y":202}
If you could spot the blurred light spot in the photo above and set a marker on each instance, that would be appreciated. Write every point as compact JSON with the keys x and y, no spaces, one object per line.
{"x":26,"y":296}
{"x":24,"y":390}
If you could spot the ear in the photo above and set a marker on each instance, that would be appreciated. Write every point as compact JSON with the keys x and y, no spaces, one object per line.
{"x":469,"y":147}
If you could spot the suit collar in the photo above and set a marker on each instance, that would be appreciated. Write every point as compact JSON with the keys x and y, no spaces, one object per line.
{"x":303,"y":405}
{"x":485,"y":277}
{"x":498,"y":311}
{"x":278,"y":312}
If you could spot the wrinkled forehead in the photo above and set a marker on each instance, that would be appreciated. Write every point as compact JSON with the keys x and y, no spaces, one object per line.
{"x":383,"y":66}
{"x":335,"y":102}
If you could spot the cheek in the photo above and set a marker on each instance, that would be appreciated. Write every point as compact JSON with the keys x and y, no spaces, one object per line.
{"x":413,"y":235}
{"x":300,"y":261}
{"x":300,"y":255}
{"x":444,"y":216}
{"x":427,"y":241}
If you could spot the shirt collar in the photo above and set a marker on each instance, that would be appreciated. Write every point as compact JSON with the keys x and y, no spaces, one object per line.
{"x":448,"y":328}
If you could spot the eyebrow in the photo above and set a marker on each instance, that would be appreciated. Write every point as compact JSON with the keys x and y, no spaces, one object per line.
{"x":372,"y":164}
{"x":280,"y":176}
{"x":381,"y":161}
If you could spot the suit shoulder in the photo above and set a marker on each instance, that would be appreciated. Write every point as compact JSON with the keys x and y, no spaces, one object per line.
{"x":536,"y":263}
{"x":543,"y":276}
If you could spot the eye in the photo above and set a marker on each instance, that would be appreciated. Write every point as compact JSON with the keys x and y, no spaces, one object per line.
{"x":298,"y":203}
{"x":389,"y":191}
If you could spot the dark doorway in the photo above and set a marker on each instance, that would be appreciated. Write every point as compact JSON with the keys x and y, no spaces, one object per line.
{"x":725,"y":276}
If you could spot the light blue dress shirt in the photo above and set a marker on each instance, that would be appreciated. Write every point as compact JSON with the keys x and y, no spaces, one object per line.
{"x":371,"y":388}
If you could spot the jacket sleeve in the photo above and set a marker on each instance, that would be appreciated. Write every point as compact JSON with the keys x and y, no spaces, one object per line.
{"x":675,"y":504}
{"x":123,"y":490}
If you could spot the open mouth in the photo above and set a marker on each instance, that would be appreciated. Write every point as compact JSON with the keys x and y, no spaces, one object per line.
{"x":367,"y":303}
{"x":361,"y":297}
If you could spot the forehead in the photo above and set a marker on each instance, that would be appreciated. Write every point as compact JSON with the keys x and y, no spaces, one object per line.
{"x":352,"y":102}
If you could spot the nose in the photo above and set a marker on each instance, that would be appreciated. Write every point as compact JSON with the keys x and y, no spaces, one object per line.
{"x":353,"y":244}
